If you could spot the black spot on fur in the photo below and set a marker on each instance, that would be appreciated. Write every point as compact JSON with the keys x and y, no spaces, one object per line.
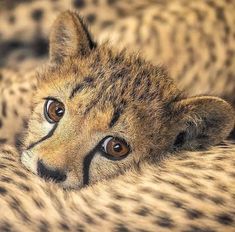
{"x":193,"y":213}
{"x":15,"y":112}
{"x":4,"y":109}
{"x":225,"y":219}
{"x":143,"y":211}
{"x":5,"y":226}
{"x":147,"y":190}
{"x":79,"y":3}
{"x":116,"y":208}
{"x":220,"y":14}
{"x":193,"y":228}
{"x":16,"y":205}
{"x":118,"y":196}
{"x":1,"y":123}
{"x":3,"y":140}
{"x":12,"y":92}
{"x":200,"y":196}
{"x":80,"y":228}
{"x":40,"y":46}
{"x":44,"y":225}
{"x":17,"y":141}
{"x":106,"y":23}
{"x":21,"y":101}
{"x":3,"y":166}
{"x":217,"y":200}
{"x":39,"y":203}
{"x":7,"y":152}
{"x":11,"y":19}
{"x":14,"y":44}
{"x":177,"y":203}
{"x":3,"y":191}
{"x":89,"y":219}
{"x":23,"y":90}
{"x":221,"y":187}
{"x":191,"y":164}
{"x":6,"y":179}
{"x":21,"y":174}
{"x":64,"y":226}
{"x":37,"y":14}
{"x":165,"y":221}
{"x":88,"y":79}
{"x":178,"y":186}
{"x":120,"y":228}
{"x":110,"y":2}
{"x":25,"y":187}
{"x":101,"y":214}
{"x":91,"y":18}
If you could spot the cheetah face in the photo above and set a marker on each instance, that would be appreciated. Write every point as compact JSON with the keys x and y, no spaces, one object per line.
{"x":98,"y":113}
{"x":83,"y":129}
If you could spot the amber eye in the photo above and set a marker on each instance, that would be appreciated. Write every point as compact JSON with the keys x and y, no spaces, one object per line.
{"x":115,"y":147}
{"x":54,"y":110}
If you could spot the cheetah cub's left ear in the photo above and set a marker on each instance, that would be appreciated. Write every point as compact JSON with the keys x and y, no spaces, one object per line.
{"x":69,"y":37}
{"x":203,"y":121}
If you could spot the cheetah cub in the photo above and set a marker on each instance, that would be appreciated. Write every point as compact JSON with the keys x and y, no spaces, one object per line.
{"x":100,"y":112}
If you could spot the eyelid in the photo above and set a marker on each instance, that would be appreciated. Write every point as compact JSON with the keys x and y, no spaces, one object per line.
{"x":51,"y":98}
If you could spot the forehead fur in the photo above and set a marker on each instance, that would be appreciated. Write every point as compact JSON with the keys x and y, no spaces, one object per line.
{"x":112,"y":76}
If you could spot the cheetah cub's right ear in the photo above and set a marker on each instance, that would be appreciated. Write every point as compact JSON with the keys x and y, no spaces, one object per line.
{"x":69,"y":37}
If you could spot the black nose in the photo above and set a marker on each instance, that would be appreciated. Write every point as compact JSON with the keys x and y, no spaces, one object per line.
{"x":49,"y":174}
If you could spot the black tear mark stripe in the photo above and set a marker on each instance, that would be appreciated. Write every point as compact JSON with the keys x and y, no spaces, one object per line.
{"x":51,"y":132}
{"x":88,"y":158}
{"x":87,"y":162}
{"x":86,"y":165}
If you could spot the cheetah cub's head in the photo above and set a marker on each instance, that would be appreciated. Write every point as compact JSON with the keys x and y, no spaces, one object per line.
{"x":99,"y":112}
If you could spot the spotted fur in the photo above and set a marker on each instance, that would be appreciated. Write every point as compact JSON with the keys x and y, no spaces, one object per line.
{"x":157,"y":178}
{"x":189,"y":192}
{"x":195,"y":40}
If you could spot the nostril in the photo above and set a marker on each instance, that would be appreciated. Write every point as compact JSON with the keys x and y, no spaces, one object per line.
{"x":50,"y":174}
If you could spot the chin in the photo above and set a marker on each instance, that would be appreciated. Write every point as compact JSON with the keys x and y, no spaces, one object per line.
{"x":70,"y":183}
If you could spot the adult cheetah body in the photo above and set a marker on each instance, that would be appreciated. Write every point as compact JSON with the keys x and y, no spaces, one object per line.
{"x":189,"y":192}
{"x":195,"y":40}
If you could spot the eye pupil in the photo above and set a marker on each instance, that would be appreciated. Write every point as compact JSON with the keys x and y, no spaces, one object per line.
{"x":117,"y":147}
{"x":59,"y":111}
